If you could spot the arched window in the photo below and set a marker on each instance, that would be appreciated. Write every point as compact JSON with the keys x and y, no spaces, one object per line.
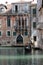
{"x":19,"y":39}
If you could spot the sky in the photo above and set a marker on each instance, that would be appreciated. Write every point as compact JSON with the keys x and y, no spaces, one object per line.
{"x":11,"y":1}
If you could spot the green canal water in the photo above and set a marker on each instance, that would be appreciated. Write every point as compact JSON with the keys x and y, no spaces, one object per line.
{"x":17,"y":56}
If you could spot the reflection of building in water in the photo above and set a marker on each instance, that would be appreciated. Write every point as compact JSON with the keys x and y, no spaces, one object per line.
{"x":12,"y":55}
{"x":16,"y":20}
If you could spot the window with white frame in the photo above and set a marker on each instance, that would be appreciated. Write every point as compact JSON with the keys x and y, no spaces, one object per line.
{"x":8,"y":33}
{"x":15,"y":8}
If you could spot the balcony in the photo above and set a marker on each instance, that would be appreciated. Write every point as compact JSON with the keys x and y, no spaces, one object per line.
{"x":20,"y":12}
{"x":20,"y":29}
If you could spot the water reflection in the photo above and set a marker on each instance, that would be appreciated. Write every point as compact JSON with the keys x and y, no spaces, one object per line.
{"x":19,"y":52}
{"x":12,"y":51}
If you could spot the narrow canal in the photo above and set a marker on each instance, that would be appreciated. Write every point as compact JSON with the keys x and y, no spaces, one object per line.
{"x":17,"y":56}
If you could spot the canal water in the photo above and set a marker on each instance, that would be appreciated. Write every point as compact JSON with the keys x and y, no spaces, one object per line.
{"x":17,"y":56}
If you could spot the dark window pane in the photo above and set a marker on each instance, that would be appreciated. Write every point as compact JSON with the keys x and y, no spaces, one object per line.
{"x":22,"y":22}
{"x":42,"y":3}
{"x":34,"y":38}
{"x":16,"y":8}
{"x":34,"y":12}
{"x":34,"y":24}
{"x":8,"y":33}
{"x":0,"y":33}
{"x":8,"y":21}
{"x":14,"y":33}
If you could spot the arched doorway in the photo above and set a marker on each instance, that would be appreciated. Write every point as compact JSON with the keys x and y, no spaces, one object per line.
{"x":19,"y":39}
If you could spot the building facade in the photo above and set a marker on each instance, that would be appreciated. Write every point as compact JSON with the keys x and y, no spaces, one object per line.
{"x":40,"y":22}
{"x":34,"y":24}
{"x":15,"y":23}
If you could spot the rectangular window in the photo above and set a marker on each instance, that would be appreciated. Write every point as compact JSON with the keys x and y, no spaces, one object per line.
{"x":14,"y":33}
{"x":34,"y":38}
{"x":8,"y":33}
{"x":16,"y":8}
{"x":34,"y":12}
{"x":0,"y":33}
{"x":42,"y":3}
{"x":8,"y":21}
{"x":34,"y":24}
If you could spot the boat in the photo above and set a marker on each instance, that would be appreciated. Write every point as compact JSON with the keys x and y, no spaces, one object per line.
{"x":28,"y":49}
